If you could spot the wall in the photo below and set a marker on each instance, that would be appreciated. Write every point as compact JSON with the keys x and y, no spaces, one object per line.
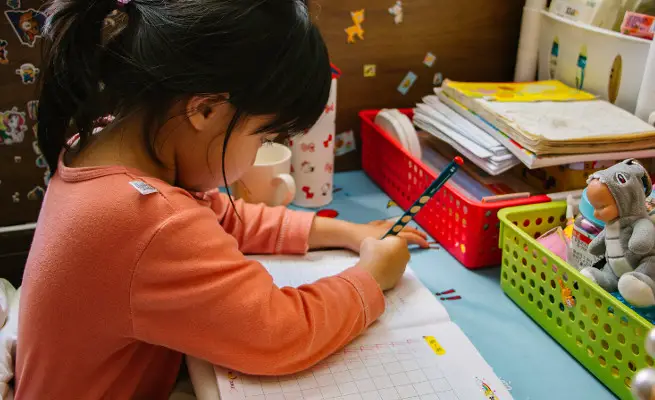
{"x":473,"y":40}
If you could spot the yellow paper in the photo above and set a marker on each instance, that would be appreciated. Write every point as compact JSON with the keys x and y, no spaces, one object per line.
{"x":521,"y":91}
{"x":436,"y":347}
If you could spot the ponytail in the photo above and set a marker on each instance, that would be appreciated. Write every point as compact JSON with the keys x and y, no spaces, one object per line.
{"x":70,"y":76}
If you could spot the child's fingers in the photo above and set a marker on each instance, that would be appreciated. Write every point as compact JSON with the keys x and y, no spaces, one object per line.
{"x":415,"y":231}
{"x":413,"y":238}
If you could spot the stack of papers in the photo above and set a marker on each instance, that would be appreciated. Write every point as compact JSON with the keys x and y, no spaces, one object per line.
{"x":478,"y":146}
{"x":529,"y":158}
{"x":545,"y":124}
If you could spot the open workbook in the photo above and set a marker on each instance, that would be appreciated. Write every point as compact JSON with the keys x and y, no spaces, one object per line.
{"x":412,"y":352}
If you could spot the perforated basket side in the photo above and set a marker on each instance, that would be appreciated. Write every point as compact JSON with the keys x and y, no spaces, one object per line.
{"x":466,"y":229}
{"x":600,"y":332}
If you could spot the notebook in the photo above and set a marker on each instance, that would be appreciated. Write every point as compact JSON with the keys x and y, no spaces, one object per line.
{"x":547,"y":127}
{"x":413,"y":352}
{"x":529,"y":158}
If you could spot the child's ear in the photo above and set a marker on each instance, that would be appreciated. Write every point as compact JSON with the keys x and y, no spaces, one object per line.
{"x":202,"y":110}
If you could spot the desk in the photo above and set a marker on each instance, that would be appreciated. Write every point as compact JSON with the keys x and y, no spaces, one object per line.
{"x":520,"y":352}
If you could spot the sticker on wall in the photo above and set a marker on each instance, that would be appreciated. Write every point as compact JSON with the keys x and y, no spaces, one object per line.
{"x":33,"y":109}
{"x":12,"y":126}
{"x":13,"y":4}
{"x":28,"y":73}
{"x":437,"y":80}
{"x":27,"y":24}
{"x":36,"y":194}
{"x":356,"y":29}
{"x":15,"y":197}
{"x":4,"y":53}
{"x":581,"y":66}
{"x":41,"y":162}
{"x":554,"y":53}
{"x":407,"y":83}
{"x":397,"y":12}
{"x":46,"y":177}
{"x":370,"y":70}
{"x":345,"y":143}
{"x":615,"y":79}
{"x":429,"y":59}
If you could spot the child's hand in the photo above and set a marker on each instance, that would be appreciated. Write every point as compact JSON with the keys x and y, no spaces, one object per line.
{"x":376,"y":229}
{"x":331,"y":233}
{"x":385,"y":260}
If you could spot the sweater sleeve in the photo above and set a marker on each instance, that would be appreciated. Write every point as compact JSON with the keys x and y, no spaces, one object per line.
{"x":260,"y":229}
{"x":194,"y":292}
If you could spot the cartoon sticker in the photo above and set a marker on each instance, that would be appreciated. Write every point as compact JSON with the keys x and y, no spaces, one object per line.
{"x":429,"y":59}
{"x":370,"y":70}
{"x":27,"y":24}
{"x":438,"y":79}
{"x":36,"y":193}
{"x":15,"y":197}
{"x":615,"y":79}
{"x":33,"y":109}
{"x":581,"y":66}
{"x":41,"y":162}
{"x":12,"y":126}
{"x":488,"y":393}
{"x":4,"y":53}
{"x":28,"y":73}
{"x":46,"y":176}
{"x":344,"y":143}
{"x":356,"y":29}
{"x":397,"y":11}
{"x":554,"y":53}
{"x":14,"y":4}
{"x":407,"y":83}
{"x":329,"y":168}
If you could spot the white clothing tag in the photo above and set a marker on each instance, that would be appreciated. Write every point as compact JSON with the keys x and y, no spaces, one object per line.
{"x":143,"y":187}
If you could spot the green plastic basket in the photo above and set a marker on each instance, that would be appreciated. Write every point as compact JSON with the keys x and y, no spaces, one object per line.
{"x":598,"y":330}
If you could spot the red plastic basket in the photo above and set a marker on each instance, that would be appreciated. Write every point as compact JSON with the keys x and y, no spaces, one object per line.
{"x":467,"y":229}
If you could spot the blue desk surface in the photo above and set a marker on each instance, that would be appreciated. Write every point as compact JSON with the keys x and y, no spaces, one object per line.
{"x":520,"y":352}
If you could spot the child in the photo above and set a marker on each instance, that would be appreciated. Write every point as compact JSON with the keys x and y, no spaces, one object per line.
{"x":133,"y":263}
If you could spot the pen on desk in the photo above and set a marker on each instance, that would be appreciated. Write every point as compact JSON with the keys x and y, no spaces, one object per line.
{"x":434,"y":187}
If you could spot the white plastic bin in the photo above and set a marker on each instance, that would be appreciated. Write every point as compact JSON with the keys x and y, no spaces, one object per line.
{"x":603,"y":62}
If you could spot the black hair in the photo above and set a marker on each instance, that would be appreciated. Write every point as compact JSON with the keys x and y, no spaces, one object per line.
{"x":266,"y":54}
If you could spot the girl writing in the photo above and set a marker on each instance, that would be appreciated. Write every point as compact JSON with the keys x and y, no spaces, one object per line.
{"x":134,"y":262}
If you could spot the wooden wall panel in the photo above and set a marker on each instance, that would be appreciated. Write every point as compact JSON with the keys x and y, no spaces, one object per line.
{"x":473,"y":39}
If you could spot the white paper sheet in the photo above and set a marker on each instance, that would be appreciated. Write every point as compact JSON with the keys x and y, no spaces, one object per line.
{"x":408,"y":304}
{"x":390,"y":365}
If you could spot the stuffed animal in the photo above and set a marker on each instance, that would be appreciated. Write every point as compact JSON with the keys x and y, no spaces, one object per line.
{"x":618,"y":195}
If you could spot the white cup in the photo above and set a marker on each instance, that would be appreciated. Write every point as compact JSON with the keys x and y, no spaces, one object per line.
{"x":268,"y":181}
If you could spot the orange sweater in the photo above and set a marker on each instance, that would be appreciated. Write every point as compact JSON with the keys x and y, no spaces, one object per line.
{"x":119,"y":284}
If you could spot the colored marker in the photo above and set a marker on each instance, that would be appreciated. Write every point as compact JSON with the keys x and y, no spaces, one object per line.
{"x":449,"y":291}
{"x":434,"y":187}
